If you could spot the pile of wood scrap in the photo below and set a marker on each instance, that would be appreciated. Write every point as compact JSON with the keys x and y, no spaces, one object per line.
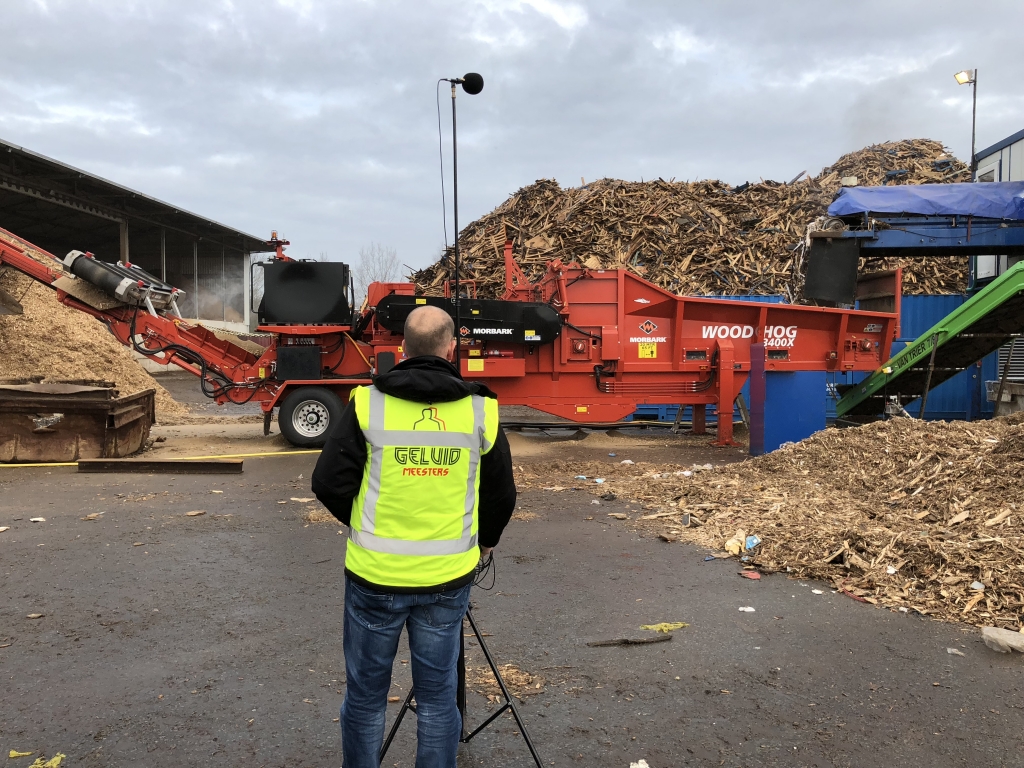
{"x":919,"y":516}
{"x":695,"y":238}
{"x":519,"y":682}
{"x":57,"y":343}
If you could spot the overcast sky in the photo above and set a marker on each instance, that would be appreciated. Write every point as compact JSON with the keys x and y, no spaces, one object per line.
{"x":319,"y":118}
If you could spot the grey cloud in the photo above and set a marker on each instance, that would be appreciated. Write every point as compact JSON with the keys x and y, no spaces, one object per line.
{"x":318,"y":119}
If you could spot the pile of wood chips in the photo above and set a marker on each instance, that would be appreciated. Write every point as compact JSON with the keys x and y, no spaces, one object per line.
{"x":519,"y":682}
{"x":920,"y":516}
{"x":63,"y":344}
{"x":694,"y":238}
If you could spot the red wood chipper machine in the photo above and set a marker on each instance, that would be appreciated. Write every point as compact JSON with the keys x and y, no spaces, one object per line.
{"x":587,"y":345}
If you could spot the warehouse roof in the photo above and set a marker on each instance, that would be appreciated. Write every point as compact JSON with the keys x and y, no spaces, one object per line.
{"x":1000,"y":145}
{"x":30,"y":184}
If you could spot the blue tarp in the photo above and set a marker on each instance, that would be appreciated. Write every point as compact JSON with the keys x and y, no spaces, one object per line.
{"x":993,"y":200}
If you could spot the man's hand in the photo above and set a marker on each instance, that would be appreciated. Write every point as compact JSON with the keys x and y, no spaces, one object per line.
{"x":485,"y":552}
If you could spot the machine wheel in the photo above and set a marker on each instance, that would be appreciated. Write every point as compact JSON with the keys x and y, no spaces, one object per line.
{"x":307,"y":416}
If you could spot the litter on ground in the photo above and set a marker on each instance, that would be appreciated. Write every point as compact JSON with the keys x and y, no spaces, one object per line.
{"x":665,"y":626}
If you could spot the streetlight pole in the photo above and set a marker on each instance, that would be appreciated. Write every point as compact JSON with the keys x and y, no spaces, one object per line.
{"x":970,"y":77}
{"x":974,"y":123}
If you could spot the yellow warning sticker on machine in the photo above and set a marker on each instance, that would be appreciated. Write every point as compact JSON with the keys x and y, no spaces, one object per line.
{"x":421,"y":301}
{"x":474,"y":365}
{"x":648,"y":350}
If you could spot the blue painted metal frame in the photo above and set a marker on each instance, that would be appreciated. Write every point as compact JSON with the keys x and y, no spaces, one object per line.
{"x":938,"y":236}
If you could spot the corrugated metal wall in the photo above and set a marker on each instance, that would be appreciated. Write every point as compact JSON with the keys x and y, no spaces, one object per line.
{"x":1016,"y":372}
{"x":181,"y":269}
{"x":210,"y":280}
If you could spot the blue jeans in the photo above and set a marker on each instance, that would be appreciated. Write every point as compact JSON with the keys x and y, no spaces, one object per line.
{"x":373,"y":624}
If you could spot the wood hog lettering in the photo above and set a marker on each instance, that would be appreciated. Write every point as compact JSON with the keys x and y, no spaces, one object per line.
{"x":774,"y":335}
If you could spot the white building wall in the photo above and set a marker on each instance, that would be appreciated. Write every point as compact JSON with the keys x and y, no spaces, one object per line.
{"x":1005,"y":165}
{"x":1016,"y":161}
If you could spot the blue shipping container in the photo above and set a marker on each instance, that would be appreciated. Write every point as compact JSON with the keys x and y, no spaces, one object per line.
{"x":959,"y":397}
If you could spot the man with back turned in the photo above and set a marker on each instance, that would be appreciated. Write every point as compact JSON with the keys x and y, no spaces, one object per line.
{"x":421,"y":472}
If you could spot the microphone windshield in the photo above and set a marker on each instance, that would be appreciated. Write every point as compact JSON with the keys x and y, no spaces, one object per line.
{"x":472,"y":83}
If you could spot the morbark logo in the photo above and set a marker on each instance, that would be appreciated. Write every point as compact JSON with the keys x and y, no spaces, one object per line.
{"x":476,"y":331}
{"x":648,"y":327}
{"x":774,"y":335}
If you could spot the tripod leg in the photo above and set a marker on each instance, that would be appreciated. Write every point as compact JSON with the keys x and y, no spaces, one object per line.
{"x":406,"y":707}
{"x":510,"y":702}
{"x":460,"y":691}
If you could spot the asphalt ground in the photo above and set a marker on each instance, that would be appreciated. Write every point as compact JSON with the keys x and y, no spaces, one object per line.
{"x":169,"y":640}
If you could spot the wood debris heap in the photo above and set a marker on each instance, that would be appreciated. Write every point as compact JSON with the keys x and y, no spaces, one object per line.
{"x":60,"y":343}
{"x":694,"y":238}
{"x":920,"y":516}
{"x":519,"y":682}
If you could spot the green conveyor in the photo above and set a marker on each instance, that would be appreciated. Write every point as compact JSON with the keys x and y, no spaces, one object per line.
{"x":987,"y":321}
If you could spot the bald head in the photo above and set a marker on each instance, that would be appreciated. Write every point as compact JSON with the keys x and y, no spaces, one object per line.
{"x":428,"y":331}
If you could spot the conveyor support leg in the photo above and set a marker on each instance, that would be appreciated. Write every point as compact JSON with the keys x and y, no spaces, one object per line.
{"x":700,"y":412}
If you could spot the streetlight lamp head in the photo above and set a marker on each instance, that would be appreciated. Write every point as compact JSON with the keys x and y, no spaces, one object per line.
{"x":964,"y":77}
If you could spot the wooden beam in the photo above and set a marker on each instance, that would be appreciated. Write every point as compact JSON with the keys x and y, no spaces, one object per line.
{"x":163,"y":466}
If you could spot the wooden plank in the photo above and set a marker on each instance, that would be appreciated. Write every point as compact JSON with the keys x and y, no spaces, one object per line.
{"x":164,"y":466}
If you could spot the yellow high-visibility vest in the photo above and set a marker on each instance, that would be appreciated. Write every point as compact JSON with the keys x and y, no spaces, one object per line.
{"x":414,"y":522}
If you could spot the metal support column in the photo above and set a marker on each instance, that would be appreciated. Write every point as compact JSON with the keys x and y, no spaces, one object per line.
{"x":195,"y":278}
{"x":163,"y":254}
{"x":247,"y":289}
{"x":928,"y":378}
{"x":123,"y":231}
{"x":699,"y":422}
{"x":758,"y":392}
{"x":223,"y":287}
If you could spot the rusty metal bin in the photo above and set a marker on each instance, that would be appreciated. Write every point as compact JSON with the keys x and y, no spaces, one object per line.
{"x":68,"y":421}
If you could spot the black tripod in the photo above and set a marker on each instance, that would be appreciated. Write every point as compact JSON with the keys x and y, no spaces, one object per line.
{"x":461,"y":698}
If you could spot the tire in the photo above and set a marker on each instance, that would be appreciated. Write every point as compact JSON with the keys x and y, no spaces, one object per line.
{"x":307,"y":416}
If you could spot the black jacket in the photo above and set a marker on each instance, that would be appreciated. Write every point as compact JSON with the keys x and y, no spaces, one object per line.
{"x":339,"y":470}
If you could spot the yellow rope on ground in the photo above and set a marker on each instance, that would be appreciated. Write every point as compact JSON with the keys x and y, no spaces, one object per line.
{"x":50,"y":464}
{"x":243,"y":455}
